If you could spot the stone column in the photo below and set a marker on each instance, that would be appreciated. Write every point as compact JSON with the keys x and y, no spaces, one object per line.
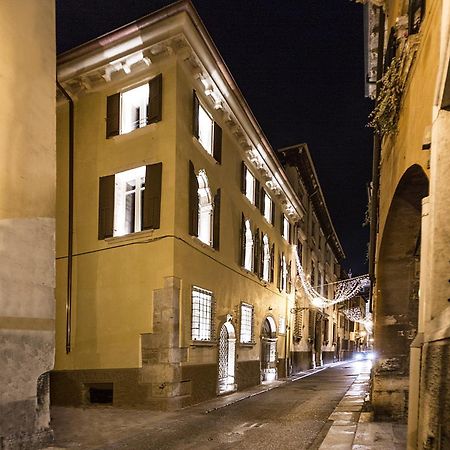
{"x":27,"y":219}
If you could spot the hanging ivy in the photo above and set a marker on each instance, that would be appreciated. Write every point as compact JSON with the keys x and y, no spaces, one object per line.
{"x":384,"y":118}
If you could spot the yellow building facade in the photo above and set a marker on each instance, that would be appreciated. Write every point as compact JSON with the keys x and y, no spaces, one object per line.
{"x":410,"y":378}
{"x":176,"y":224}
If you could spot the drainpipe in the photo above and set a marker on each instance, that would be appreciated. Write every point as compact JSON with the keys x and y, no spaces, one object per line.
{"x":70,"y":222}
{"x":374,"y":202}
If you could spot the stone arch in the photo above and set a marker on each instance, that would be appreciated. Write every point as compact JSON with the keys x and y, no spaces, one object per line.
{"x":268,"y":349}
{"x":397,"y":288}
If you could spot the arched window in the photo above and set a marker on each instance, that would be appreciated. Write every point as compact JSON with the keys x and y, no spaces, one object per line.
{"x":205,"y":209}
{"x":266,"y":258}
{"x":248,"y":259}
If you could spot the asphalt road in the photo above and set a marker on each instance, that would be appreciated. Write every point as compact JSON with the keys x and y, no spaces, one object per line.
{"x":293,"y":416}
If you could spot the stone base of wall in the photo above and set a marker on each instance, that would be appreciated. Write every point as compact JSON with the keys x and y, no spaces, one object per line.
{"x":248,"y":374}
{"x":434,"y":420}
{"x":390,"y":387}
{"x":24,"y":441}
{"x":75,"y":388}
{"x":301,"y":361}
{"x":328,"y":357}
{"x":202,"y":380}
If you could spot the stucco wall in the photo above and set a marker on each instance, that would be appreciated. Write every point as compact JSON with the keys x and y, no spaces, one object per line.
{"x":27,"y":224}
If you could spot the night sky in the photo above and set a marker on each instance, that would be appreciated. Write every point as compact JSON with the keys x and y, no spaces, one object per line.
{"x":300,"y":66}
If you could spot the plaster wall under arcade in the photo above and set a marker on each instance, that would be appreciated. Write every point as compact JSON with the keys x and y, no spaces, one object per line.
{"x":27,"y":220}
{"x":400,"y":153}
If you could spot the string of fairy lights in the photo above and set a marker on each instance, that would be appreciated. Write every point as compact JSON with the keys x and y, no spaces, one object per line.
{"x":344,"y":290}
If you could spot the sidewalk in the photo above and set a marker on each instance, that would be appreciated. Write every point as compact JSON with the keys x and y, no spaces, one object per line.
{"x":354,"y":429}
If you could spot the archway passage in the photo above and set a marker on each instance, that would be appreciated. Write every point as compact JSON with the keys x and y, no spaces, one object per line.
{"x":227,"y":359}
{"x":269,"y":350}
{"x":397,"y":299}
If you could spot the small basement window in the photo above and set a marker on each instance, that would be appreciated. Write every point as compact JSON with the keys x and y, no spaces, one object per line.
{"x":100,"y":393}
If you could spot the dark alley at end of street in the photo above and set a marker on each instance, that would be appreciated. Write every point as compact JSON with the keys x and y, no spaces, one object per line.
{"x":295,"y":415}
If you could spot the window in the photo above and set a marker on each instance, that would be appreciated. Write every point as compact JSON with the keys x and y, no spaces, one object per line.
{"x":202,"y":314}
{"x":246,"y":335}
{"x":250,"y":186}
{"x":282,"y":325}
{"x":248,"y":246}
{"x":266,"y":259}
{"x":286,"y":230}
{"x":204,"y":209}
{"x":208,"y":132}
{"x":416,"y":13}
{"x":134,"y":108}
{"x":130,"y":201}
{"x":267,"y":206}
{"x":282,"y":279}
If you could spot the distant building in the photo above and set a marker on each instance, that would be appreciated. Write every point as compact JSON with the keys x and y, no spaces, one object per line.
{"x":411,"y":256}
{"x":179,"y":282}
{"x":27,"y":220}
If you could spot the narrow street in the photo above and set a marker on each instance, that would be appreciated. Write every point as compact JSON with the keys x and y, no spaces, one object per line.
{"x":292,"y":416}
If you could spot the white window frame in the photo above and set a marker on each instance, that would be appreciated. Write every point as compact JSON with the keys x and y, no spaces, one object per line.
{"x":286,"y":228}
{"x":266,"y":258}
{"x":250,"y":186}
{"x":134,"y":101}
{"x":268,"y":207}
{"x":123,"y":222}
{"x":205,"y":129}
{"x":202,"y":314}
{"x":246,"y":324}
{"x":248,"y":247}
{"x":205,"y":209}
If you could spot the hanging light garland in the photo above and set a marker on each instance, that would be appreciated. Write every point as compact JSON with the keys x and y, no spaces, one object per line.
{"x":345,"y":289}
{"x":356,"y":315}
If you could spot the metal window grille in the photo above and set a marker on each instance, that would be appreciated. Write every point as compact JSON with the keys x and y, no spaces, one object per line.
{"x":246,"y":334}
{"x":202,"y":308}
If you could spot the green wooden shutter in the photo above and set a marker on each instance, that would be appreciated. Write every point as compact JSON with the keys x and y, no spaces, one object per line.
{"x":256,"y":251}
{"x":280,"y":267}
{"x":242,"y":241}
{"x":289,"y":278}
{"x":217,"y":149}
{"x":216,"y":221}
{"x":272,"y":263}
{"x":113,"y":115}
{"x":154,"y":109}
{"x":152,"y":197}
{"x":195,"y":105}
{"x":257,"y":193}
{"x":193,"y":201}
{"x":243,"y":179}
{"x":261,"y":201}
{"x":106,"y":207}
{"x":273,"y":213}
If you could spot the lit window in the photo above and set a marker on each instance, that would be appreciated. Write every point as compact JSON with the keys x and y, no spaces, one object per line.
{"x":205,"y":129}
{"x":202,"y":303}
{"x":134,"y":108}
{"x":134,"y":105}
{"x":266,"y":259}
{"x":282,"y":325}
{"x":205,"y":209}
{"x":246,"y":323}
{"x":128,"y":201}
{"x":248,"y":247}
{"x":286,"y":228}
{"x":250,"y":186}
{"x":268,"y":206}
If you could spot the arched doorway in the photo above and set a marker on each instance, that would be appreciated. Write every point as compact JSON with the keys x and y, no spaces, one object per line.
{"x":269,"y":350}
{"x":397,"y":295}
{"x":227,"y":359}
